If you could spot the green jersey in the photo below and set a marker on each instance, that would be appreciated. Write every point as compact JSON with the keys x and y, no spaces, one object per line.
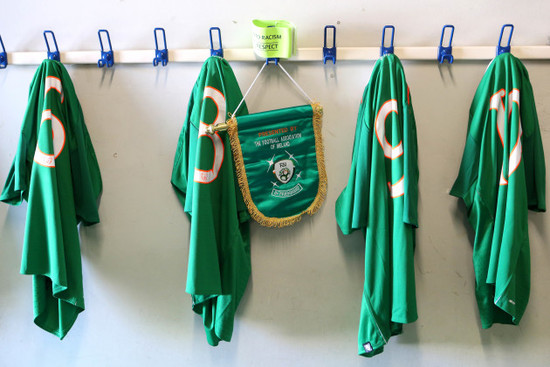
{"x":56,"y":171}
{"x":205,"y":183}
{"x":502,"y":175}
{"x":381,"y":200}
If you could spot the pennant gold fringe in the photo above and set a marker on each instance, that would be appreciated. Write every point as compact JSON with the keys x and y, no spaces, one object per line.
{"x":243,"y":181}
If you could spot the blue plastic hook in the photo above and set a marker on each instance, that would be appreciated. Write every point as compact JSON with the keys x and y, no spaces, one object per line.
{"x":274,"y":60}
{"x":3,"y":56}
{"x":387,"y":50}
{"x":502,"y":49}
{"x":52,"y":55}
{"x":446,"y":52}
{"x":107,"y":58}
{"x":216,"y":51}
{"x":329,"y":53}
{"x":162,"y":54}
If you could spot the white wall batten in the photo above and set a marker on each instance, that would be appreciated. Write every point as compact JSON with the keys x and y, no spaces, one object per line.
{"x":302,"y":54}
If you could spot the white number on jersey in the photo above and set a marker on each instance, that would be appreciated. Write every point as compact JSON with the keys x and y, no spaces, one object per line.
{"x":207,"y":176}
{"x":397,"y":189}
{"x":497,"y":104}
{"x":58,"y":131}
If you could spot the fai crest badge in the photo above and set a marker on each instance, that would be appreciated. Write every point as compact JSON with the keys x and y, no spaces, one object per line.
{"x":283,"y":170}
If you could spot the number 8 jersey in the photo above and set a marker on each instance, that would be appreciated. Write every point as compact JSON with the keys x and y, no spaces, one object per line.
{"x":502,"y":175}
{"x":205,"y":183}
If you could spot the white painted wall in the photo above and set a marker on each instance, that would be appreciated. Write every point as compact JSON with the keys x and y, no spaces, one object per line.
{"x":302,"y":304}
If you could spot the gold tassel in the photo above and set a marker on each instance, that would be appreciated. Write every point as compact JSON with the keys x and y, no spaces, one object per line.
{"x":243,"y":180}
{"x":320,"y":152}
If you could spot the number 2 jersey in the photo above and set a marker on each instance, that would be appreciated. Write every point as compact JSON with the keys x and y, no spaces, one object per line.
{"x":501,"y":176}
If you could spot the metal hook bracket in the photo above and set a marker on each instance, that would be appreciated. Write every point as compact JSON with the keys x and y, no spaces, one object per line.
{"x":52,"y":55}
{"x":503,"y":49}
{"x":216,"y":51}
{"x":161,"y":55}
{"x":3,"y":55}
{"x":329,"y":53}
{"x":446,"y":52}
{"x":107,"y":58}
{"x":383,"y":49}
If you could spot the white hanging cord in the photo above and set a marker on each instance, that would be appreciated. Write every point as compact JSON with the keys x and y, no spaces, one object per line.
{"x":249,"y":88}
{"x":211,"y":129}
{"x":295,"y":83}
{"x":256,"y":78}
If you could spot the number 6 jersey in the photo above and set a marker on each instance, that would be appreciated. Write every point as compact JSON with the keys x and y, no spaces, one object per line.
{"x":56,"y":171}
{"x":502,"y":175}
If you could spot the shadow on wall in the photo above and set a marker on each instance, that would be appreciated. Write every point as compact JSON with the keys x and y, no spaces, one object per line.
{"x":137,"y":254}
{"x":11,"y":236}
